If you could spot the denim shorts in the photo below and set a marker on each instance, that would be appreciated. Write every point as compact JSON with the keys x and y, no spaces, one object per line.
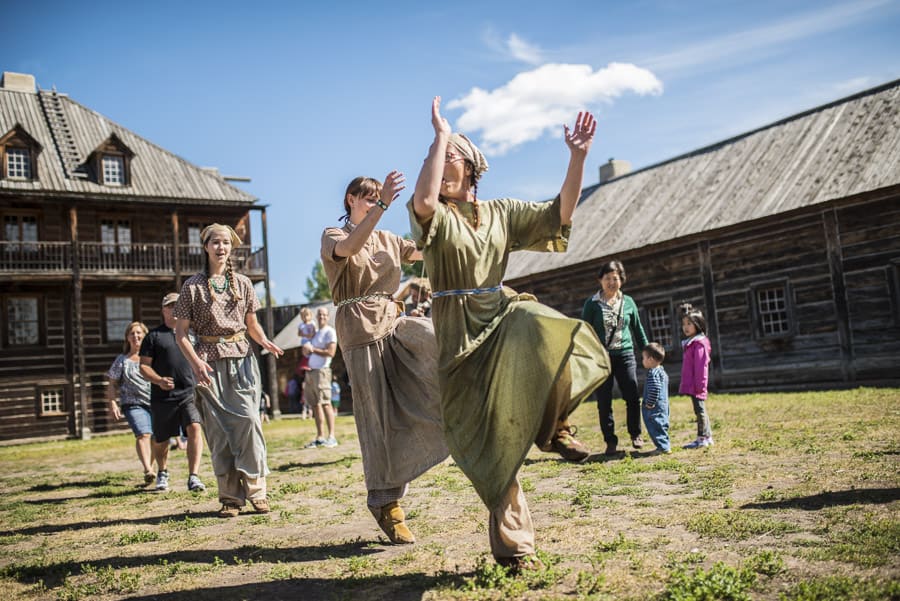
{"x":139,"y":419}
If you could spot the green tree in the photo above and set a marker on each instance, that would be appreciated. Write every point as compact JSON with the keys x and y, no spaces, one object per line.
{"x":317,"y":285}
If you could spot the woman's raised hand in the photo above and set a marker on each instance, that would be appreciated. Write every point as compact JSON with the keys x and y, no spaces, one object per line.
{"x":394,"y":182}
{"x":440,"y":124}
{"x":580,"y":138}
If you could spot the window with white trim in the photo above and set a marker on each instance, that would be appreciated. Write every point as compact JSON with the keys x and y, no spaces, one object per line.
{"x":23,"y":323}
{"x":113,"y":170}
{"x":18,"y":163}
{"x":119,"y":313}
{"x":772,"y":310}
{"x":53,"y":401}
{"x":659,"y":322}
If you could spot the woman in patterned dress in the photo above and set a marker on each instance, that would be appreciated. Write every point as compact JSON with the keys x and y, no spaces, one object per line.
{"x":391,"y":359}
{"x":220,"y":306}
{"x":511,"y":370}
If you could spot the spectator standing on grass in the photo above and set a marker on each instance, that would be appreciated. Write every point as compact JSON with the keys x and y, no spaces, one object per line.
{"x":695,"y":372}
{"x":128,"y":395}
{"x":655,"y":406}
{"x":391,"y":358}
{"x":171,"y":398}
{"x":614,"y":316}
{"x":317,"y":383}
{"x":221,"y":307}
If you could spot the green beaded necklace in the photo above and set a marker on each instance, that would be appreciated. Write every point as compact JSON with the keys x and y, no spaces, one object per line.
{"x":215,"y":288}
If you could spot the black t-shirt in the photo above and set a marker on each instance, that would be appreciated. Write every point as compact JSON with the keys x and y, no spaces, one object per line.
{"x":169,"y":362}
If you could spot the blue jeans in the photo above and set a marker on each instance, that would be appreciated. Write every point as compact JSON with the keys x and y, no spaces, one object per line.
{"x":624,"y":370}
{"x":656,"y":419}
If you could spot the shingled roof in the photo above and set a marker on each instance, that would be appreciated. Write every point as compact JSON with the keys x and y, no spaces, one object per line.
{"x":838,"y":150}
{"x":69,"y":133}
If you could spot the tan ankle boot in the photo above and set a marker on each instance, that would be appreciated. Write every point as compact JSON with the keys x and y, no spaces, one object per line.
{"x":392,"y":521}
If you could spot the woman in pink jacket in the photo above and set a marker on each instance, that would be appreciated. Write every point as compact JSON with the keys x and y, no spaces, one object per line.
{"x":695,"y":372}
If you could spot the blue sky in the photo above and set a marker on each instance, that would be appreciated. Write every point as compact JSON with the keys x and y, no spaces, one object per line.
{"x":302,"y":97}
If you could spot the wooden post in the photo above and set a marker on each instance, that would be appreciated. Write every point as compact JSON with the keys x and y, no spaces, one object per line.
{"x":176,"y":249}
{"x":712,"y":321}
{"x":84,"y":387}
{"x":839,"y":293}
{"x":271,"y":361}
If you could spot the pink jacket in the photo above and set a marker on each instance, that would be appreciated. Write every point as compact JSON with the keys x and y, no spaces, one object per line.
{"x":695,"y":366}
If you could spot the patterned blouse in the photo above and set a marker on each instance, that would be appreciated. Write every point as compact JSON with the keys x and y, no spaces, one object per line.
{"x":133,"y":388}
{"x":214,"y":314}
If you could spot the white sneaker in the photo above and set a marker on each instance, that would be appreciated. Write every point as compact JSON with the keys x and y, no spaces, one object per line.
{"x":706,"y":441}
{"x":330,"y":442}
{"x":315,"y":444}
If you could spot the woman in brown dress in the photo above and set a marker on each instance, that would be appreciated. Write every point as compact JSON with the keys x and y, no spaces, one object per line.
{"x":220,"y":306}
{"x":391,"y":358}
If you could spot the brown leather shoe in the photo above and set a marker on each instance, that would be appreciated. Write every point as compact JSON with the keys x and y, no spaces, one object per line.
{"x":567,"y":446}
{"x":392,"y":521}
{"x":260,"y":505}
{"x":229,"y":510}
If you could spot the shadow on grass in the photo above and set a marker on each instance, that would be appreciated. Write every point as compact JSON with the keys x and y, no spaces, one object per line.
{"x":831,"y":499}
{"x":293,"y":465}
{"x":54,"y":574}
{"x":406,"y":587}
{"x":99,"y":494}
{"x":76,"y":484}
{"x":74,"y":526}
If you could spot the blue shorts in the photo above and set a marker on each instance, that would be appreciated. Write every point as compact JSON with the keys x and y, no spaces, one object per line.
{"x":138,"y":418}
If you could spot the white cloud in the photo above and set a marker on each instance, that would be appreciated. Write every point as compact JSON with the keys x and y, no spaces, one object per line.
{"x":523,"y":51}
{"x":542,"y":99}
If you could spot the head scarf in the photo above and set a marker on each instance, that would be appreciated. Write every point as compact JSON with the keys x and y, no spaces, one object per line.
{"x":208,"y":232}
{"x":471,"y":153}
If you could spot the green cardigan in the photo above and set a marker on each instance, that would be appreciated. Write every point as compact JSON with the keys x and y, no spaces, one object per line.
{"x":632,"y":330}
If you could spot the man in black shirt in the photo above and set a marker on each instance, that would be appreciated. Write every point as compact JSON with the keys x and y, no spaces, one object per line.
{"x":171,"y":397}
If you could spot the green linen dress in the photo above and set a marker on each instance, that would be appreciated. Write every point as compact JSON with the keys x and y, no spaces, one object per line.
{"x":509,"y":367}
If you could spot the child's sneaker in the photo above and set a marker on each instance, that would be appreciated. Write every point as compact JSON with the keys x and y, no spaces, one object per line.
{"x":330,"y":442}
{"x":315,"y":444}
{"x":706,"y":441}
{"x":162,"y":480}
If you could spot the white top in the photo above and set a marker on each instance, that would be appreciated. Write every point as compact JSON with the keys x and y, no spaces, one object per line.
{"x":322,"y":339}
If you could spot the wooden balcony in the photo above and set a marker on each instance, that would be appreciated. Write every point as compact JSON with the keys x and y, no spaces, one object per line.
{"x":36,"y":259}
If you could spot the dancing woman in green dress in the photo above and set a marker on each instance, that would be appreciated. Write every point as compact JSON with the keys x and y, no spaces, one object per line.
{"x":510,"y":369}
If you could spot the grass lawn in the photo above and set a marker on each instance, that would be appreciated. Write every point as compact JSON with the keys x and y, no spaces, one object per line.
{"x":798,"y":500}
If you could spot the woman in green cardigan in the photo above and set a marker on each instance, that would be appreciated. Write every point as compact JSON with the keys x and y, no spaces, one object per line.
{"x":614,"y":316}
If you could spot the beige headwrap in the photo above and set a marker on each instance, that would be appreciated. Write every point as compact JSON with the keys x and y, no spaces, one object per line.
{"x":468,"y":149}
{"x":218,"y":227}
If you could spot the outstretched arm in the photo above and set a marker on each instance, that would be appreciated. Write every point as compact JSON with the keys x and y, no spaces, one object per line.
{"x":353,"y":243}
{"x":428,"y":186}
{"x":579,"y":142}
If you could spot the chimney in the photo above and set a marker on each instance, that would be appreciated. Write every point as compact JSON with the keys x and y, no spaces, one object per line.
{"x":613,"y":169}
{"x":18,"y":82}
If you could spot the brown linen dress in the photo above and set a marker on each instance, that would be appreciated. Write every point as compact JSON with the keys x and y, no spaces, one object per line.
{"x":391,"y":359}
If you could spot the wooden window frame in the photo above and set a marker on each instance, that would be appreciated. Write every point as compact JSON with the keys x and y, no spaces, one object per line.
{"x":674,"y":324}
{"x":756,"y":318}
{"x":112,"y":147}
{"x":5,"y":342}
{"x":119,"y":337}
{"x":64,"y":400}
{"x":18,"y":215}
{"x":19,"y":139}
{"x":116,"y":246}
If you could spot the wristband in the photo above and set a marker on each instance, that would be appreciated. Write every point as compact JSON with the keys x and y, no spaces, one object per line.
{"x":381,"y":205}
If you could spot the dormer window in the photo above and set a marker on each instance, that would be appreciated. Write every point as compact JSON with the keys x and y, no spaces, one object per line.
{"x":111,"y":162}
{"x":18,"y":163}
{"x":113,"y":170}
{"x":18,"y":155}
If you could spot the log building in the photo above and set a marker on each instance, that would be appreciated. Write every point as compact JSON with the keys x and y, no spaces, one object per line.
{"x":787,"y":237}
{"x":98,"y":224}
